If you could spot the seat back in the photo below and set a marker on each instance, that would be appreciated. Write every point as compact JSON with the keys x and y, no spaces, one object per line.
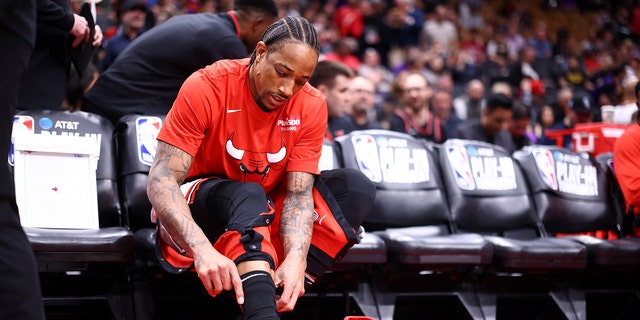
{"x":487,"y":192}
{"x":79,"y":123}
{"x":135,"y":138}
{"x":406,"y":175}
{"x":328,"y":157}
{"x":570,"y":190}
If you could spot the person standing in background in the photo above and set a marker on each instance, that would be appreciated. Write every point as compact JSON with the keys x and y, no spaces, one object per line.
{"x":20,"y":296}
{"x":146,"y":77}
{"x":132,"y":19}
{"x":44,"y":83}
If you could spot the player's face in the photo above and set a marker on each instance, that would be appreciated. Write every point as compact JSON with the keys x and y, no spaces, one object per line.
{"x":277,"y":75}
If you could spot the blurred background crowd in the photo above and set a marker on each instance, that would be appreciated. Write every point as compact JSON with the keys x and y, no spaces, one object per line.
{"x":559,"y":61}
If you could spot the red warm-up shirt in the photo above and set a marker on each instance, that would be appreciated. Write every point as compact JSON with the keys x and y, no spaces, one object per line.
{"x":216,"y":120}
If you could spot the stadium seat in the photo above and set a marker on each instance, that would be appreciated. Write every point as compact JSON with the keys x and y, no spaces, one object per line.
{"x":84,"y":265}
{"x":411,"y":215}
{"x":574,"y":200}
{"x":135,"y":139}
{"x":572,"y":195}
{"x":488,"y":194}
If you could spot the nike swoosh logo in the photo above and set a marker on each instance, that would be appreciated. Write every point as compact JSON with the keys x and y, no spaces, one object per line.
{"x":233,"y":110}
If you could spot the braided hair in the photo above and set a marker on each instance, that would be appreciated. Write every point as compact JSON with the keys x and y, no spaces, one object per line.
{"x":289,"y":29}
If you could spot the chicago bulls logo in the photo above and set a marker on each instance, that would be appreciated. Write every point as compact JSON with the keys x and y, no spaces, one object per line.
{"x":254,"y":165}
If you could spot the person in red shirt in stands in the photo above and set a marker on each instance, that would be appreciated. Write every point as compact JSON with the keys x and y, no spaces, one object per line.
{"x":235,"y":183}
{"x":626,"y":153}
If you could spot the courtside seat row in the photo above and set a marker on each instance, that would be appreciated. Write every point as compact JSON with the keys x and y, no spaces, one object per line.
{"x":462,"y":219}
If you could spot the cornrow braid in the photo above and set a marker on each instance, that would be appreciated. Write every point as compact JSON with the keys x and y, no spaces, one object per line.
{"x":289,"y":29}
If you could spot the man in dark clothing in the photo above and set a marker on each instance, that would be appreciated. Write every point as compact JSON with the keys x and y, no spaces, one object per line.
{"x":332,"y":78}
{"x":520,"y":127}
{"x":20,"y":296}
{"x":492,"y":126}
{"x":58,"y":30}
{"x":147,"y":75}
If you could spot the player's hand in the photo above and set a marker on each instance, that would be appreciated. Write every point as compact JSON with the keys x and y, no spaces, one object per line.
{"x":80,"y":30}
{"x":290,"y":276}
{"x":217,"y":272}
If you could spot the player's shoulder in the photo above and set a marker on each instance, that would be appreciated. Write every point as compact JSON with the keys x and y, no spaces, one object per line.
{"x":227,"y":68}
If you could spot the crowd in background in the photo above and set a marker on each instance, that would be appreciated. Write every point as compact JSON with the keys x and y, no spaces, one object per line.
{"x":556,"y":73}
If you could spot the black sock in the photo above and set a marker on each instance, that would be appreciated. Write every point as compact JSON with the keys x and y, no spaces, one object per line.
{"x":259,"y":295}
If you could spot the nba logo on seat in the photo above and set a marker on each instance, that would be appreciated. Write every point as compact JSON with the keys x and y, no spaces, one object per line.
{"x":21,"y":124}
{"x":147,"y":129}
{"x":461,"y":167}
{"x":367,"y":157}
{"x":546,"y":167}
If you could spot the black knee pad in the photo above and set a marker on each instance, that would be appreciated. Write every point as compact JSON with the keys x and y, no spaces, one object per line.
{"x":259,"y":296}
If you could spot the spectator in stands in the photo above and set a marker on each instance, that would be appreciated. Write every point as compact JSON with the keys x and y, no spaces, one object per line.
{"x":363,"y":104}
{"x":373,"y":69}
{"x":44,"y":83}
{"x":20,"y":294}
{"x":575,"y":77}
{"x":623,"y":112}
{"x":525,"y":67}
{"x":469,"y":105}
{"x":413,"y":116}
{"x":438,"y":31}
{"x":132,"y":18}
{"x":347,"y":18}
{"x":332,"y":78}
{"x":545,"y":120}
{"x":540,"y":42}
{"x":248,"y":224}
{"x":149,"y":72}
{"x":626,"y":153}
{"x":520,"y":127}
{"x":515,"y":41}
{"x":561,"y":105}
{"x":492,"y":127}
{"x":344,"y":50}
{"x":405,"y":22}
{"x":580,"y":111}
{"x":442,"y":107}
{"x":376,"y":32}
{"x":503,"y":88}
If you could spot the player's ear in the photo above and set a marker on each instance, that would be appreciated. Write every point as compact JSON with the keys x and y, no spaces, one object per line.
{"x":261,"y":49}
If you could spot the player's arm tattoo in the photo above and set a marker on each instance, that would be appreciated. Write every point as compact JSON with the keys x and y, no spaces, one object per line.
{"x":296,"y":222}
{"x":169,"y":169}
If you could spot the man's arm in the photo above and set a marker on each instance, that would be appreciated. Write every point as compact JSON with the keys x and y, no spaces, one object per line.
{"x":169,"y":169}
{"x":296,"y":228}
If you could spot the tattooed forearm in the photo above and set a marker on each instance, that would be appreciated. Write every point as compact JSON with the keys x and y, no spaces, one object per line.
{"x":169,"y":169}
{"x":296,"y":222}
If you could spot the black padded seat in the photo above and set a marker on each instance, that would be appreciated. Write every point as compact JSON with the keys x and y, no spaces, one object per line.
{"x":371,"y":249}
{"x":539,"y":253}
{"x":574,"y":195}
{"x":488,"y":195}
{"x":77,"y":266}
{"x":102,"y":245}
{"x":113,"y":241}
{"x":135,"y":139}
{"x":410,"y":212}
{"x":425,"y":245}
